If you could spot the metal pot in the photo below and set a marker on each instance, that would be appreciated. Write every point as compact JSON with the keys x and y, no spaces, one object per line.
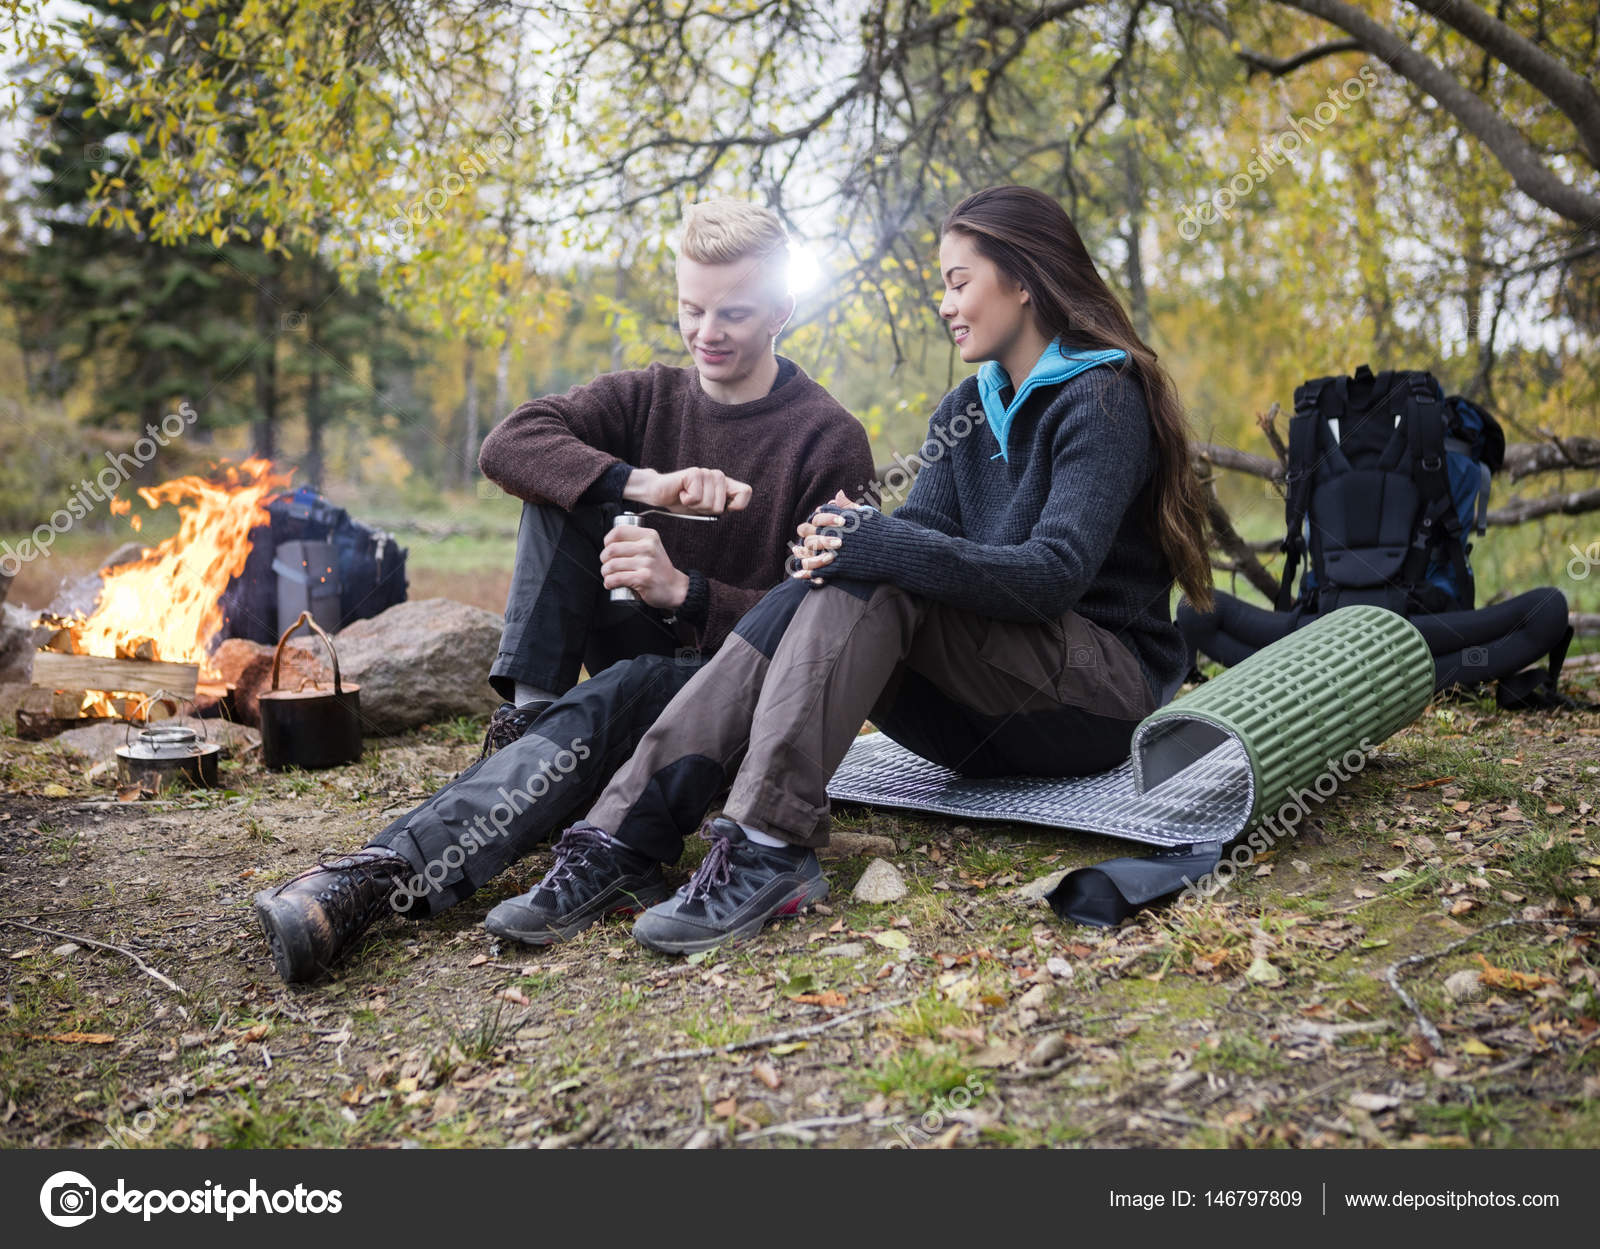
{"x":313,"y":728}
{"x":159,"y":758}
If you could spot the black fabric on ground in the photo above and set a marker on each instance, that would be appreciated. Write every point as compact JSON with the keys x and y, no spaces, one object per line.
{"x":1467,"y":646}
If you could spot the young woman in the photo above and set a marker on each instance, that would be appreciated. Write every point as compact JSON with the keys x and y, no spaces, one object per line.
{"x":1011,"y":617}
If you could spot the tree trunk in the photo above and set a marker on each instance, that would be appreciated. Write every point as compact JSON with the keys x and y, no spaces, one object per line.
{"x":264,"y":429}
{"x":502,"y":377}
{"x":469,"y":449}
{"x":1138,"y":298}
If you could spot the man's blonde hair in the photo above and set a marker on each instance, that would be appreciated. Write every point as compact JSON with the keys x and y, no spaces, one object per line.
{"x":721,"y":231}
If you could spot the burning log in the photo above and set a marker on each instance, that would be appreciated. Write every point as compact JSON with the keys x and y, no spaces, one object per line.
{"x":93,"y":672}
{"x":157,"y":611}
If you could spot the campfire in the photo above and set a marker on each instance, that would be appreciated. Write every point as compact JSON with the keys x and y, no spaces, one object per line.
{"x":156,"y":617}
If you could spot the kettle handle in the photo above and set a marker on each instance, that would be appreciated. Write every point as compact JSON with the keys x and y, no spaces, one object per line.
{"x":277,"y":655}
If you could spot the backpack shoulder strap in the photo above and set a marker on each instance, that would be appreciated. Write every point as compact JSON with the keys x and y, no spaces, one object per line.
{"x":1302,"y":465}
{"x":1438,"y":525}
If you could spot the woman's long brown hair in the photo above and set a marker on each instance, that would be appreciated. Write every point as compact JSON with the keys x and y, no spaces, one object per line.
{"x":1032,"y":241}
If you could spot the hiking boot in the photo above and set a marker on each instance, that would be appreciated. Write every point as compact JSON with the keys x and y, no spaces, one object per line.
{"x":311,"y":920}
{"x":508,"y":724}
{"x":736,"y":889}
{"x":594,"y":875}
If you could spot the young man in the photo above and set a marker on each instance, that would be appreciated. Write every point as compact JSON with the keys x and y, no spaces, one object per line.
{"x":743,"y":436}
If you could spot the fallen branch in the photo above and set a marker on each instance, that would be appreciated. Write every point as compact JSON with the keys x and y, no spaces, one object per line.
{"x":773,"y":1038}
{"x":1392,"y":975}
{"x":800,"y":1127}
{"x":1227,"y":538}
{"x":104,"y":945}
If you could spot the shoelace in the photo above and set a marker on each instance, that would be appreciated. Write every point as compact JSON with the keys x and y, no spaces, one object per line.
{"x":504,"y":728}
{"x":361,"y":860}
{"x":573,"y":848}
{"x":714,"y":869}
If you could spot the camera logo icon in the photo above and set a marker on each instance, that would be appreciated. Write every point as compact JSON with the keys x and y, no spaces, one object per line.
{"x":67,"y":1199}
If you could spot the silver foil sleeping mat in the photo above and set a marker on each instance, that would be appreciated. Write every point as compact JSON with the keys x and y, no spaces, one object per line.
{"x":1208,"y":799}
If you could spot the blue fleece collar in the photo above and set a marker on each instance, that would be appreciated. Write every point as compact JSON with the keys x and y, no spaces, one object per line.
{"x":1054,"y":366}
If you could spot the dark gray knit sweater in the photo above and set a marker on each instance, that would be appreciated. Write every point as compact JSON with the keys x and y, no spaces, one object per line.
{"x":1057,"y":527}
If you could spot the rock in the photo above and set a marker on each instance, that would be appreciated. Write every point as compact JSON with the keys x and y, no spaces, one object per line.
{"x":1038,"y":890}
{"x":1047,"y":1050}
{"x":881,"y":882}
{"x":1059,"y":967}
{"x":16,"y":644}
{"x":844,"y":949}
{"x":247,"y":666}
{"x":1465,"y":985}
{"x":1036,"y":998}
{"x":419,"y":663}
{"x":66,"y":949}
{"x":851,"y":845}
{"x":100,"y":741}
{"x":12,"y":696}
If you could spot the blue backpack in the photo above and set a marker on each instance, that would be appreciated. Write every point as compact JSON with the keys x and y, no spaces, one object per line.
{"x":1387,"y":480}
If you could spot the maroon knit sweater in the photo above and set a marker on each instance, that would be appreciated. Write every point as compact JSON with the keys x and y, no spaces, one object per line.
{"x":796,"y":446}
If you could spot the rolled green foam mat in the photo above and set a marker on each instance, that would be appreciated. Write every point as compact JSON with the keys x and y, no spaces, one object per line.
{"x":1209,"y":764}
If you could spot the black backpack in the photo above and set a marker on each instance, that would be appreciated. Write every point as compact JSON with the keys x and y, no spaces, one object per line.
{"x":372,"y":566}
{"x":1387,"y":479}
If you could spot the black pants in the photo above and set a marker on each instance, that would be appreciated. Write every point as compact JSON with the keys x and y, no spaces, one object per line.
{"x":1467,"y":646}
{"x":558,"y":616}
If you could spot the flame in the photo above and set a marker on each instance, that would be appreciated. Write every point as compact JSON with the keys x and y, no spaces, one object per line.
{"x":170,"y":597}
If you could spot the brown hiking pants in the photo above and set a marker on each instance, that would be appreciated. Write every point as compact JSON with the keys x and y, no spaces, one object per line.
{"x":775,"y":710}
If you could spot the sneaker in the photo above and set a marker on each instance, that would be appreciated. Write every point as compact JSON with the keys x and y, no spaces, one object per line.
{"x":312,"y":920}
{"x":594,"y":875}
{"x":508,"y":724}
{"x":736,"y":889}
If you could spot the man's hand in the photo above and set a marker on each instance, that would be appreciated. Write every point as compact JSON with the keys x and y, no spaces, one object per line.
{"x":633,"y":556}
{"x":702,"y":491}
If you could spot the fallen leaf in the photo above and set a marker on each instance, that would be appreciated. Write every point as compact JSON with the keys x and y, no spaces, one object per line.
{"x":1506,"y":978}
{"x":1263,"y":972}
{"x":516,"y":995}
{"x":828,"y":998}
{"x":767,"y":1074}
{"x":726,"y":1108}
{"x":478,"y":960}
{"x":892,"y":940}
{"x":1373,"y":1103}
{"x":788,"y":1047}
{"x":1461,"y":906}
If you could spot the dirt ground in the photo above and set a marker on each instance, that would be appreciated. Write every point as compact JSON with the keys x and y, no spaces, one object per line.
{"x":964,"y":1014}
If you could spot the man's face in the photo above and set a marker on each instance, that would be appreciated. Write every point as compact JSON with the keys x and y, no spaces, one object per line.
{"x":728,"y":315}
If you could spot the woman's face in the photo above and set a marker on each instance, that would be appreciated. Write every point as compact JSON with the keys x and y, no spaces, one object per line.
{"x":986,"y":312}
